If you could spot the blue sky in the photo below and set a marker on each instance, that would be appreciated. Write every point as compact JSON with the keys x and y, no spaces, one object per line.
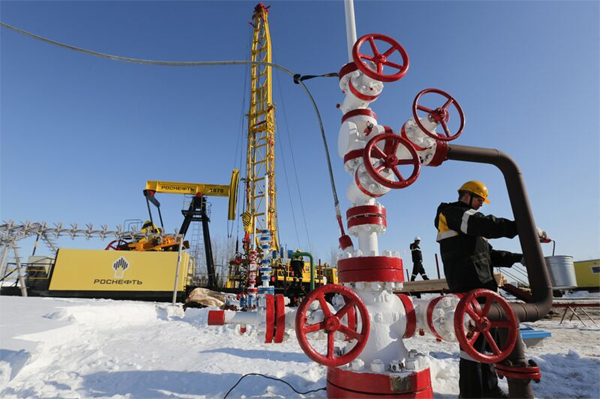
{"x":81,"y":135}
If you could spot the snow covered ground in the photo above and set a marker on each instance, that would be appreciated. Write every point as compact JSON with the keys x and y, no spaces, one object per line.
{"x":77,"y":348}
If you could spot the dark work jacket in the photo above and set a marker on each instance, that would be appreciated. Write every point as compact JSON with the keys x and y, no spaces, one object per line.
{"x":417,"y":257}
{"x":468,"y":258}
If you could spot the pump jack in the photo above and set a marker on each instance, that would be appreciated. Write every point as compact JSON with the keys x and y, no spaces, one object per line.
{"x":155,"y":240}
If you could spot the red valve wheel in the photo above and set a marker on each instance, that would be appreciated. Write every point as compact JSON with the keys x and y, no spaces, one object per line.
{"x":388,"y":159}
{"x":115,"y":245}
{"x":440,"y":115}
{"x":332,"y":323}
{"x":470,"y":305}
{"x":379,"y":59}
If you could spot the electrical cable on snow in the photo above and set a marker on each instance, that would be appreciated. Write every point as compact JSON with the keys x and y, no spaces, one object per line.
{"x":298,"y":79}
{"x":271,"y":378}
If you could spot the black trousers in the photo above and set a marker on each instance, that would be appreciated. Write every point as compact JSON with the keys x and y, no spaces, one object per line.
{"x":418,"y":269}
{"x":478,"y":380}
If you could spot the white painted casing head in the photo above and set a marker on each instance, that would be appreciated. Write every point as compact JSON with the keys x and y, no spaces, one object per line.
{"x":385,"y":346}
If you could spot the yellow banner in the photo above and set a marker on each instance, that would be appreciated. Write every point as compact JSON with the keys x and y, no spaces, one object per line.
{"x":97,"y":270}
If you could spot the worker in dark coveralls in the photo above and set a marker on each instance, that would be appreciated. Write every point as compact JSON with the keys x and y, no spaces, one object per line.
{"x":469,"y":260}
{"x":417,"y":258}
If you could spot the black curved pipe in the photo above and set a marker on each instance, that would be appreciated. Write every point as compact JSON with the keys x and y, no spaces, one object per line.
{"x":539,"y":279}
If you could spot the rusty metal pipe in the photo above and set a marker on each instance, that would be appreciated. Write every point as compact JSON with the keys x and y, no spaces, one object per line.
{"x":539,"y":280}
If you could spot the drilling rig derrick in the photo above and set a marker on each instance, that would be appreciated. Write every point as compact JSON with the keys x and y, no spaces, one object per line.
{"x":261,"y":205}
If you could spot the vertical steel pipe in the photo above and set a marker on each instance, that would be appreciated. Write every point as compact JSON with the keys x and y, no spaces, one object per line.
{"x":177,"y":269}
{"x":350,"y":26}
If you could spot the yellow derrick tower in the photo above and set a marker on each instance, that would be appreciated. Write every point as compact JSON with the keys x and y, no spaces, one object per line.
{"x":261,"y":206}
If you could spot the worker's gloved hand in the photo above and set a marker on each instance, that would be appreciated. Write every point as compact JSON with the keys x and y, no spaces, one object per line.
{"x":543,"y":235}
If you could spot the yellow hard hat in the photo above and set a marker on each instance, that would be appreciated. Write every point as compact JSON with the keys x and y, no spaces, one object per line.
{"x":477,"y":188}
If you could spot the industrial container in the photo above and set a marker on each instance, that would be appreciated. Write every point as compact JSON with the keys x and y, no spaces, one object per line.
{"x":562,"y":271}
{"x":588,"y":274}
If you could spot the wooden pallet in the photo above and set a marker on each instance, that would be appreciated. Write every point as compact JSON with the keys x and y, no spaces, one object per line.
{"x":437,"y":285}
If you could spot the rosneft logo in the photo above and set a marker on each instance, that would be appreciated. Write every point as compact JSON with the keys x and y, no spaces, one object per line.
{"x":120,"y":266}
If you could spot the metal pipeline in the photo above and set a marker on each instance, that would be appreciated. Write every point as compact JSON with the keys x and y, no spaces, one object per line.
{"x":539,"y":280}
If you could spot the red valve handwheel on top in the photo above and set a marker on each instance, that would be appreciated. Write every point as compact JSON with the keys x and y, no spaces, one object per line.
{"x":331,"y":324}
{"x":388,"y":159}
{"x":470,"y":305}
{"x":439,"y":115}
{"x":379,"y":59}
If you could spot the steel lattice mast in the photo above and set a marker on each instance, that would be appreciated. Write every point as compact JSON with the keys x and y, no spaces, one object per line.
{"x":261,"y":206}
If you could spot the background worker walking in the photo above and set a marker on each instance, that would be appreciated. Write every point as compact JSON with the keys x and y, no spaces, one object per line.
{"x":417,"y":258}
